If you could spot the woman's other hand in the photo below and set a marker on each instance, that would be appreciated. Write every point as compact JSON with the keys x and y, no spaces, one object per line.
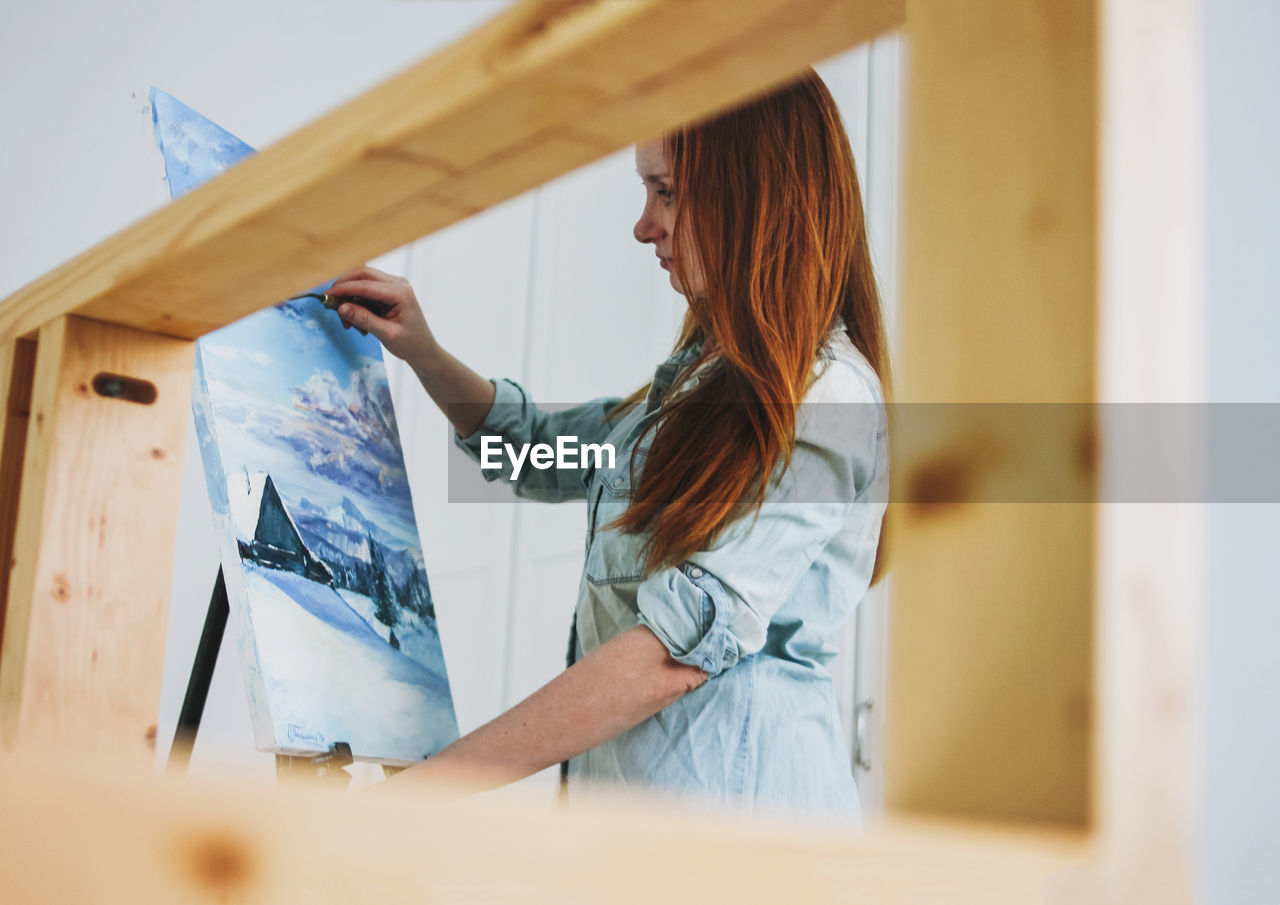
{"x":403,"y":331}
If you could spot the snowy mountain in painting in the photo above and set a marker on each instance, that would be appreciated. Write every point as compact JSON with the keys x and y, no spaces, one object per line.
{"x":341,"y":548}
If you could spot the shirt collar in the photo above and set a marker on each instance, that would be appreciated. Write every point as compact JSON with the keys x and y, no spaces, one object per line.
{"x":666,"y":373}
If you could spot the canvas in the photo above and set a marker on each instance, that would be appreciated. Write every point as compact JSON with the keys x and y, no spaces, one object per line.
{"x":330,"y":603}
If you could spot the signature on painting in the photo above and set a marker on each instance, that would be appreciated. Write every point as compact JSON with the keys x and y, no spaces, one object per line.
{"x":298,"y":734}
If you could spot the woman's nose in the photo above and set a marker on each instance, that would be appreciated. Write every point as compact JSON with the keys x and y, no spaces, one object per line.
{"x":647,"y":229}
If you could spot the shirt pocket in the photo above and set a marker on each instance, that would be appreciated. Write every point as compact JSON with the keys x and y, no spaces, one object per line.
{"x":612,"y":556}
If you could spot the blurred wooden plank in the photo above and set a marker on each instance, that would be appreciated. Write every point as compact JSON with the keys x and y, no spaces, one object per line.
{"x":17,"y":369}
{"x":1151,"y":587}
{"x":544,"y":87}
{"x":990,"y":685}
{"x":142,"y":841}
{"x":83,"y":645}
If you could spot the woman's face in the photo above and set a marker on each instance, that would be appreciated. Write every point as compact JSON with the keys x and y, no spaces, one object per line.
{"x":657,"y":220}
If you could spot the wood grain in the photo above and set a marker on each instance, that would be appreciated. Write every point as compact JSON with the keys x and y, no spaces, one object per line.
{"x":990,"y":686}
{"x":141,"y":842}
{"x":543,"y":88}
{"x":83,"y":646}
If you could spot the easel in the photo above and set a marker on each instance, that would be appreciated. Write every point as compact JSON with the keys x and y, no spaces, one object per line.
{"x":1059,"y":107}
{"x":206,"y":659}
{"x":327,"y":766}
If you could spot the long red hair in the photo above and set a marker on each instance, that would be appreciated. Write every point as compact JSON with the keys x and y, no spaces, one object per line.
{"x":767,"y":198}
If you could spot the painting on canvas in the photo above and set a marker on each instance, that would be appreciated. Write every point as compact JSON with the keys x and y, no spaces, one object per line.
{"x":329,"y":596}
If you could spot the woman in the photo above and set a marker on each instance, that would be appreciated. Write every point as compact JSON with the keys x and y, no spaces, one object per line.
{"x":710,"y":597}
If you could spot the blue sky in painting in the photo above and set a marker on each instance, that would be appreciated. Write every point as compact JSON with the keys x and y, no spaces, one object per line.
{"x":195,"y":150}
{"x":291,"y":391}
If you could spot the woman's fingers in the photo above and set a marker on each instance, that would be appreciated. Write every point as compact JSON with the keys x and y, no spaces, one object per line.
{"x":372,"y":289}
{"x":363,"y":320}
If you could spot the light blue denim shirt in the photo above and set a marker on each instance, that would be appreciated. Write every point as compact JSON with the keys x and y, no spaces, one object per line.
{"x":759,"y":611}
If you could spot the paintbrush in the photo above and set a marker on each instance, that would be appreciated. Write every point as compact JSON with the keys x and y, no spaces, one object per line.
{"x":377,"y":306}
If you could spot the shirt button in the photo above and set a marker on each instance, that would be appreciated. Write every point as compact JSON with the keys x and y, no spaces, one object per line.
{"x":695,"y":573}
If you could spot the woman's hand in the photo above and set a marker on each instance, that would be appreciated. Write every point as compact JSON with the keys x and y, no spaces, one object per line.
{"x":404,"y":331}
{"x":463,"y":395}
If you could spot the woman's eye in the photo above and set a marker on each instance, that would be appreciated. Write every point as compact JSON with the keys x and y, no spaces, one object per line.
{"x":666,"y":195}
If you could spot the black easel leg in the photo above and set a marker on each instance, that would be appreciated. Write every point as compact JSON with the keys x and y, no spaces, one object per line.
{"x":215,"y":625}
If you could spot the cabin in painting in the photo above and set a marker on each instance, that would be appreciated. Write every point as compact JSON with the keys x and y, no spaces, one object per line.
{"x":265,"y":531}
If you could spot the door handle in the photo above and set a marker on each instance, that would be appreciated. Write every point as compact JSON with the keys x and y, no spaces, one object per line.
{"x":860,"y":735}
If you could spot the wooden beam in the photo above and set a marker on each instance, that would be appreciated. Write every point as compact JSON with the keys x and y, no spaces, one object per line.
{"x":1151,"y":586}
{"x":142,"y":842}
{"x":543,"y":88}
{"x":990,"y":685}
{"x":83,"y":646}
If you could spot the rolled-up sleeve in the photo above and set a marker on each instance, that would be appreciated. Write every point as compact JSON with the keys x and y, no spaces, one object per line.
{"x":518,"y":421}
{"x":691,"y":613}
{"x":714,"y":609}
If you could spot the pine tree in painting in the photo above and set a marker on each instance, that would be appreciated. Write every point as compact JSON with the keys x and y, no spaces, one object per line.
{"x":383,"y":597}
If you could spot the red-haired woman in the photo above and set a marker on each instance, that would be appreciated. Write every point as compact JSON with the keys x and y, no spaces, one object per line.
{"x":742,"y":521}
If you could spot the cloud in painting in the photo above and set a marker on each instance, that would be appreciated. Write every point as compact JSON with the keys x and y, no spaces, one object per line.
{"x":331,"y":439}
{"x":345,"y":433}
{"x":315,"y":333}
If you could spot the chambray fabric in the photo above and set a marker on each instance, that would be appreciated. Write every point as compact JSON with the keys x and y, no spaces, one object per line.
{"x":759,"y":611}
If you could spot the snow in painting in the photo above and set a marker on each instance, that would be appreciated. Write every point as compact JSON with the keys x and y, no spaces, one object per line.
{"x":330,"y":601}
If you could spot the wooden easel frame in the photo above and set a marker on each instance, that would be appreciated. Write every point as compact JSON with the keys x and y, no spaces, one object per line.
{"x":1044,"y":143}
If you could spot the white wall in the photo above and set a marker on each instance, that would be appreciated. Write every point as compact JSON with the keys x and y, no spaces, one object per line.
{"x":72,"y":171}
{"x":1240,"y":787}
{"x":549,"y":288}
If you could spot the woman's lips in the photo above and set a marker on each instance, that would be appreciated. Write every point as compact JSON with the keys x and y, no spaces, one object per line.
{"x":666,"y":263}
